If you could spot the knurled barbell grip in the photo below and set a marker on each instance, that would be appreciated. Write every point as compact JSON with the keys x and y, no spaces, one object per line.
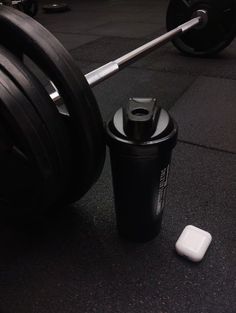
{"x":100,"y":74}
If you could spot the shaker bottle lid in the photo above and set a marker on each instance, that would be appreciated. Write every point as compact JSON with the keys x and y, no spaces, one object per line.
{"x":142,"y":120}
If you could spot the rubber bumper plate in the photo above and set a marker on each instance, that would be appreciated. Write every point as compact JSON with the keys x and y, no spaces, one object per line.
{"x":85,"y":119}
{"x":218,"y":33}
{"x":56,"y":8}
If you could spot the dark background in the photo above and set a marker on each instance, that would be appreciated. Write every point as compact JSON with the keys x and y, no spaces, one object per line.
{"x":73,"y":261}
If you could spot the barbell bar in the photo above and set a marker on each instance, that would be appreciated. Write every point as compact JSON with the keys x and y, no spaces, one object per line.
{"x":102,"y":73}
{"x":213,"y":26}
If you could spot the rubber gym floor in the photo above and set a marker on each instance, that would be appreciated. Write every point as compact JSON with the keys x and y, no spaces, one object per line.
{"x":74,"y":261}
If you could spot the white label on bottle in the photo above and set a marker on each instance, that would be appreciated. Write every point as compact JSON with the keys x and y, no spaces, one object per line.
{"x":162,"y":189}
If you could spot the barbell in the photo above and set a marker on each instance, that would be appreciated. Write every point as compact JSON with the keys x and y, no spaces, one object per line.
{"x":48,"y":158}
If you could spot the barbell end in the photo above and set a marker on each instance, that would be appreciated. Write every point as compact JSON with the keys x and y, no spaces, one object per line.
{"x":203,"y":18}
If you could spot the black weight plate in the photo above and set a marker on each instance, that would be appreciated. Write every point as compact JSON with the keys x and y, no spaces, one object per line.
{"x":55,"y":8}
{"x":57,"y":132}
{"x":47,"y":52}
{"x":85,"y":117}
{"x":218,"y":33}
{"x":27,"y":149}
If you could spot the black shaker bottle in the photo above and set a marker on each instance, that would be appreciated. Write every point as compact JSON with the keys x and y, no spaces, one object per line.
{"x":141,"y":137}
